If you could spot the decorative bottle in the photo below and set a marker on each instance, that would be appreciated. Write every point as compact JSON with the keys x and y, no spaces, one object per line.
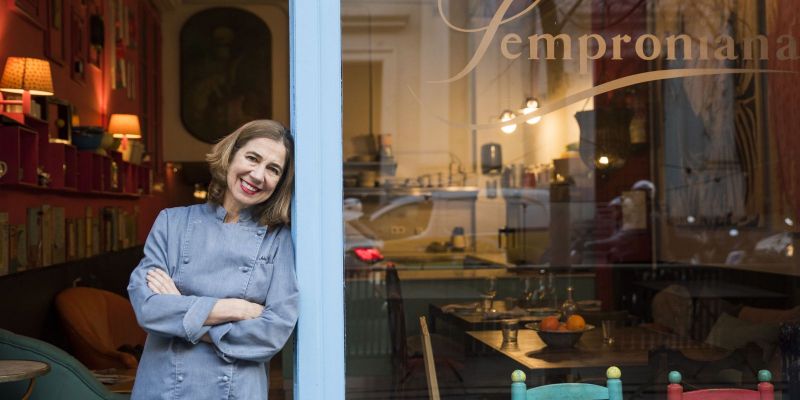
{"x":568,"y":307}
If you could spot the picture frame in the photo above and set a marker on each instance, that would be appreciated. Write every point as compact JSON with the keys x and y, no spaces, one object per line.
{"x":131,"y":81}
{"x":55,"y":46}
{"x":96,"y":33}
{"x":79,"y":44}
{"x":225,"y":71}
{"x":34,"y":11}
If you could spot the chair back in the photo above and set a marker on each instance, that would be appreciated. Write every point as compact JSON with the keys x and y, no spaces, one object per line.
{"x":68,"y":378}
{"x":765,"y":390}
{"x":430,"y":364}
{"x":97,"y":323}
{"x":397,"y":318}
{"x":568,"y":391}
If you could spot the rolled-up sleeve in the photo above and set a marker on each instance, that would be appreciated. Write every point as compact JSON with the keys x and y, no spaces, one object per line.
{"x":164,"y":314}
{"x":259,"y":339}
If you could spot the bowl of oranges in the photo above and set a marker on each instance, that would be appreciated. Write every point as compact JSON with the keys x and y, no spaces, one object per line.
{"x":560,"y":335}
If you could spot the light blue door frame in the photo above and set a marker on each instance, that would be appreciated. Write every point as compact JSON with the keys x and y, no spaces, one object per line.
{"x":316,"y":114}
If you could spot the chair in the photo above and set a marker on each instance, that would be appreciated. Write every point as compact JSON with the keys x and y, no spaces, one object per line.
{"x":430,"y":365}
{"x":404,"y":361}
{"x":765,"y":390}
{"x":568,"y":391}
{"x":98,"y":324}
{"x":68,"y":379}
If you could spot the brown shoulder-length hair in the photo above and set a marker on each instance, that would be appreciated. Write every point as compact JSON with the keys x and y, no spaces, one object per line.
{"x":276,"y":209}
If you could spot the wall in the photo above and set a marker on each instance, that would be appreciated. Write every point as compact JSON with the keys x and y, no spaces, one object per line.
{"x":179,"y":144}
{"x":92,"y":98}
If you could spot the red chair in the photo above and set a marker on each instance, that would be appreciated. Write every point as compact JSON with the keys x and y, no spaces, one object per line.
{"x":765,"y":390}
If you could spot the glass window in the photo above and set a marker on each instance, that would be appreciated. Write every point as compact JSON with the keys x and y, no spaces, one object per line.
{"x":564,"y":186}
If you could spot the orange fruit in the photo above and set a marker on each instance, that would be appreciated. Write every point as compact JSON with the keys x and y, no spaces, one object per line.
{"x":549,"y":324}
{"x":576,"y":323}
{"x":562,"y":327}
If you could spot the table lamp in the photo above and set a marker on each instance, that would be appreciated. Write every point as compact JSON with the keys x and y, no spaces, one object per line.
{"x":125,"y":126}
{"x":28,"y":77}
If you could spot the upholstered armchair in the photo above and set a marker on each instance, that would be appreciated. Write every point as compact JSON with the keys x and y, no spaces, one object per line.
{"x":68,"y":379}
{"x":98,"y":324}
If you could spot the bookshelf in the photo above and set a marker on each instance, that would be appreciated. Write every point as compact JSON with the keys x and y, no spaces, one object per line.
{"x":28,"y":156}
{"x":58,"y":204}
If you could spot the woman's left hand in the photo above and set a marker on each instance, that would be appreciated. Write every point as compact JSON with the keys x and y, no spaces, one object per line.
{"x":159,"y":282}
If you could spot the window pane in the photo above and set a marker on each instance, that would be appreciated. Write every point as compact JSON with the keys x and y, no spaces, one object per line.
{"x":613,"y":182}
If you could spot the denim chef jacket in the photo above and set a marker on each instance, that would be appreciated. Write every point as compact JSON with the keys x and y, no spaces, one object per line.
{"x":209,"y":260}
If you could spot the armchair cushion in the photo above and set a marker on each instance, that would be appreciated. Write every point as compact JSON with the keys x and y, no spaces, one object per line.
{"x":98,"y":324}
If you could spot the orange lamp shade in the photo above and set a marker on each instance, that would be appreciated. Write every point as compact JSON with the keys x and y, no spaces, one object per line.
{"x":125,"y":126}
{"x":27,"y":74}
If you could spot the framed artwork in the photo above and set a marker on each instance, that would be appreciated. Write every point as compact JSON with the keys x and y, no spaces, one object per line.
{"x":96,"y":33}
{"x":32,"y":10}
{"x":225,"y":71}
{"x":54,"y":45}
{"x":79,"y":49}
{"x":131,"y":81}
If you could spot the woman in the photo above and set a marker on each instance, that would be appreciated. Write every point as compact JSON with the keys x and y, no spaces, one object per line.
{"x":216,"y":290}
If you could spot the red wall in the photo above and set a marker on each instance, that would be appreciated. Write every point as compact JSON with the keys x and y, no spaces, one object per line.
{"x":94,"y":100}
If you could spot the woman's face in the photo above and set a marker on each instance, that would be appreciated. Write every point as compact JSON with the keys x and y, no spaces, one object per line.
{"x":254,"y":173}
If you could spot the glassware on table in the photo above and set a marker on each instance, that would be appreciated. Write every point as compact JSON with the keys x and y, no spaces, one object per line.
{"x":510,"y":303}
{"x":550,"y":298}
{"x":491,"y":286}
{"x":487,"y":302}
{"x":608,"y":330}
{"x":510,"y":328}
{"x":526,"y":297}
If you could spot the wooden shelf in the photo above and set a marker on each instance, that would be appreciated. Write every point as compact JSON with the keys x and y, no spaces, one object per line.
{"x":384,"y":167}
{"x":69,"y":191}
{"x":72,"y":172}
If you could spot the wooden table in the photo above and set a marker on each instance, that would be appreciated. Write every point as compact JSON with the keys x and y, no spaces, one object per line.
{"x":474,"y":321}
{"x":17,"y":370}
{"x":117,"y":380}
{"x":631,"y":348}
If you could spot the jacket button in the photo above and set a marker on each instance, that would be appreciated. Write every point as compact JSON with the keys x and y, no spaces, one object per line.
{"x":260,"y":233}
{"x":185,"y":260}
{"x":224,"y":378}
{"x":180,"y":378}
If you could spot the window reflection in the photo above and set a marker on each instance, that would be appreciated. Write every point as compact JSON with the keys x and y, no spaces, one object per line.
{"x":636,"y":154}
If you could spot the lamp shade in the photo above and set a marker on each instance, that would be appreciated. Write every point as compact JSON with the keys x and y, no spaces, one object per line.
{"x":125,"y":125}
{"x":27,"y":74}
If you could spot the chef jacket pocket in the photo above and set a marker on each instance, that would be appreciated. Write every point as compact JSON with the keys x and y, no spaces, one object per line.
{"x":258,"y":284}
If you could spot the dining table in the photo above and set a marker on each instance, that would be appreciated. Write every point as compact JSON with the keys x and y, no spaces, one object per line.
{"x":631,"y":347}
{"x":471,"y":319}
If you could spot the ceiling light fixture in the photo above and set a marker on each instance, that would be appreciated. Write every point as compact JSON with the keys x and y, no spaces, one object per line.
{"x":506,"y":116}
{"x":531,"y":105}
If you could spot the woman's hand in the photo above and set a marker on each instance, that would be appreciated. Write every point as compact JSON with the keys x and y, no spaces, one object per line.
{"x":225,"y":310}
{"x":232,"y":310}
{"x":159,"y":282}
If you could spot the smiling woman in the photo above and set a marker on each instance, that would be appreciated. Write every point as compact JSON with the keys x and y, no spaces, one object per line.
{"x":249,"y":166}
{"x":216,"y":289}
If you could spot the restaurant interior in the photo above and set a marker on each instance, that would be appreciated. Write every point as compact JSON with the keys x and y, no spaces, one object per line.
{"x":587,"y":192}
{"x":510,"y":165}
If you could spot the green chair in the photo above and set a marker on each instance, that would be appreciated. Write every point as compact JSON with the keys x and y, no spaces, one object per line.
{"x":568,"y":391}
{"x":68,"y":379}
